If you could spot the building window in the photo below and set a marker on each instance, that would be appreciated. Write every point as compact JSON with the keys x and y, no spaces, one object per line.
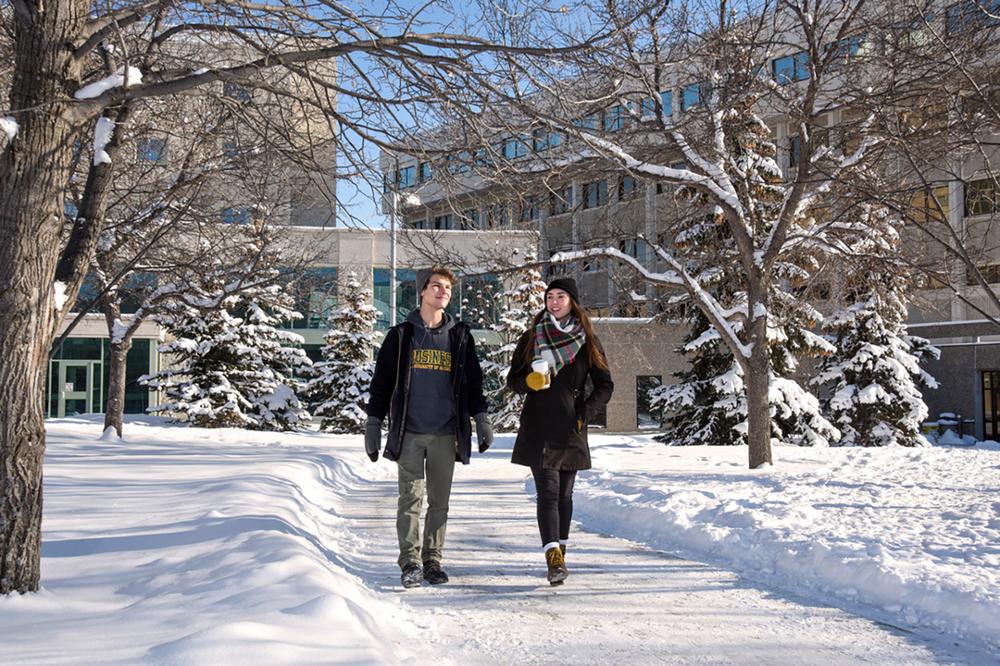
{"x":990,"y":273}
{"x":647,"y":108}
{"x":589,"y":122}
{"x":929,"y":206}
{"x":982,"y":197}
{"x":235,"y":216}
{"x":151,"y":150}
{"x":991,"y":404}
{"x":315,"y":293}
{"x":635,"y":247}
{"x":470,"y":219}
{"x":418,"y":223}
{"x":406,"y":294}
{"x":968,"y":15}
{"x":595,"y":194}
{"x":844,"y":50}
{"x":561,"y":201}
{"x":614,"y":118}
{"x":794,"y":150}
{"x":499,"y":216}
{"x":237,"y":92}
{"x":407,"y":177}
{"x":691,"y":96}
{"x":424,"y":172}
{"x":667,"y":100}
{"x":230,"y":151}
{"x":543,"y":139}
{"x":459,"y":163}
{"x":645,"y":416}
{"x":791,"y":68}
{"x":443,"y":222}
{"x":626,"y":187}
{"x":531,"y":210}
{"x":514,"y":148}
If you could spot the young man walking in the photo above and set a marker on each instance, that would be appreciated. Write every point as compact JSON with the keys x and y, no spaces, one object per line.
{"x":428,"y":382}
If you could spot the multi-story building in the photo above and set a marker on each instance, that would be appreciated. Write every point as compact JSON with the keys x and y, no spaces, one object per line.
{"x":595,"y":203}
{"x":78,"y":373}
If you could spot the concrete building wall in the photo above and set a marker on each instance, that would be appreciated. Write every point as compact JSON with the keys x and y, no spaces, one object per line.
{"x":636,"y":347}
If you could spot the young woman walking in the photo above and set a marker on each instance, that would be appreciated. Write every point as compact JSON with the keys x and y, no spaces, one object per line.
{"x":550,"y":365}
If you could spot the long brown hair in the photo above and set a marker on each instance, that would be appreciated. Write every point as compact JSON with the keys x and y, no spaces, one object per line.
{"x":595,"y":352}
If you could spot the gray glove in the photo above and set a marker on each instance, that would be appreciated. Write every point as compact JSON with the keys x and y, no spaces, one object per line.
{"x":373,"y":437}
{"x":484,"y":433}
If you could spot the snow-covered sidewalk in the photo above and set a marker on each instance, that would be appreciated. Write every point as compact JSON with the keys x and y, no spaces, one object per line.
{"x":212,"y":547}
{"x":908,"y":535}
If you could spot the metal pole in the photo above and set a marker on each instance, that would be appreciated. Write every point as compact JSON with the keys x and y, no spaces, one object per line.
{"x":392,"y":256}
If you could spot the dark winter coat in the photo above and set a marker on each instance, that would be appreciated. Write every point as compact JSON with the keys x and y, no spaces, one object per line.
{"x":390,"y":386}
{"x":553,"y":429}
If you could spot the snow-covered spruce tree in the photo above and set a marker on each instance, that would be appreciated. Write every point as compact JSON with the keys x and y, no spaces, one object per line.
{"x":873,"y":376}
{"x":232,"y":366}
{"x":708,"y":405}
{"x":516,"y":307}
{"x":338,"y":388}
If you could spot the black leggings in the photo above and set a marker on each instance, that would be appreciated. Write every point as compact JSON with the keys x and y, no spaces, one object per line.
{"x":555,"y":502}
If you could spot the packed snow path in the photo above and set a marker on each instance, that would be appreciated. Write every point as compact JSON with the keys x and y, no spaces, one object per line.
{"x":622,"y":604}
{"x":234,"y":547}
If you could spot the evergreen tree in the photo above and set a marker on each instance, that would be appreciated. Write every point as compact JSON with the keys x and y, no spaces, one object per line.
{"x":513,"y":310}
{"x":708,"y":405}
{"x":338,"y":389}
{"x":874,"y":375}
{"x":230,"y":364}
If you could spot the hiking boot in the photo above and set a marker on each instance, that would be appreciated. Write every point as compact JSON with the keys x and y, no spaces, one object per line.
{"x":562,"y":547}
{"x":557,"y":566}
{"x":433,"y":573}
{"x":412,"y":575}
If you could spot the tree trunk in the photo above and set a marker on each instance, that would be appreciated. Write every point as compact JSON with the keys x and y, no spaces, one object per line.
{"x":758,"y":407}
{"x":758,"y":384}
{"x":33,"y":172}
{"x":115,"y":409}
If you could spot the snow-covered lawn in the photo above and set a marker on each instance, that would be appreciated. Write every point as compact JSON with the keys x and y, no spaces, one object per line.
{"x":226,"y":546}
{"x":914,"y":533}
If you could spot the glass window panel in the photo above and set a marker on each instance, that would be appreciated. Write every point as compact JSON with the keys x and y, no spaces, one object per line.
{"x":406,"y":294}
{"x":645,"y":416}
{"x":691,"y":96}
{"x":614,"y":118}
{"x":151,"y":150}
{"x":667,"y":100}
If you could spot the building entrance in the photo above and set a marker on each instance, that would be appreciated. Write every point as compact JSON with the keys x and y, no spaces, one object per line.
{"x":76,"y":386}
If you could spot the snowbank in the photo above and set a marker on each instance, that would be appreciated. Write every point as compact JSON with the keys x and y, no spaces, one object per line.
{"x":911,"y":532}
{"x":182,"y":545}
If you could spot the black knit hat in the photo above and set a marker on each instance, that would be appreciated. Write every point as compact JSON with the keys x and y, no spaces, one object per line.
{"x":566,"y":284}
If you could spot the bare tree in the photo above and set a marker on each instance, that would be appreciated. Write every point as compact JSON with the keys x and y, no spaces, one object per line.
{"x":943,"y":134}
{"x":60,"y":87}
{"x":717,"y":142}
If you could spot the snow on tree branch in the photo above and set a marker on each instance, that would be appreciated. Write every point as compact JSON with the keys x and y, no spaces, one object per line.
{"x":679,"y":277}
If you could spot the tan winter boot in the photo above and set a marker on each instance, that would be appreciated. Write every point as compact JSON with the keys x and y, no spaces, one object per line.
{"x":557,"y":566}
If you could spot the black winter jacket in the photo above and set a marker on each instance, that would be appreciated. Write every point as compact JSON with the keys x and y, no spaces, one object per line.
{"x":548,"y":435}
{"x":391,"y":386}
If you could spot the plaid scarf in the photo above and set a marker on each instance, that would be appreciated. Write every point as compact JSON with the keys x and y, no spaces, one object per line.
{"x":557,"y":344}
